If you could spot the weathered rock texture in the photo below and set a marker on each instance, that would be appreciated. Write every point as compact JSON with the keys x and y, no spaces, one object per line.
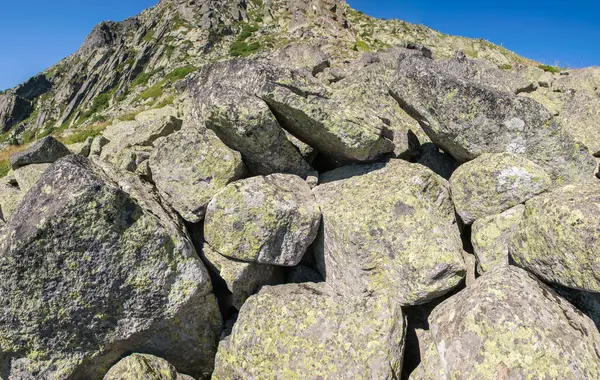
{"x":143,"y":366}
{"x":510,"y":325}
{"x":388,"y":229}
{"x":303,"y":331}
{"x":559,"y":237}
{"x":268,"y":220}
{"x":92,"y":272}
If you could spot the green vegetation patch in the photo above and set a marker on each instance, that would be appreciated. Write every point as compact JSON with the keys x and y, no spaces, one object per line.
{"x":84,"y":134}
{"x":550,"y":69}
{"x":241,"y":48}
{"x":156,"y":90}
{"x":505,"y":67}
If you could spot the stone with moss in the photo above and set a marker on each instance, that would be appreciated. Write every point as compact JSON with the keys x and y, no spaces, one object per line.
{"x":493,"y":183}
{"x":190,"y":166}
{"x":558,"y":239}
{"x":243,"y":279}
{"x":268,"y":220}
{"x":511,"y":325}
{"x":305,"y":330}
{"x":245,"y":123}
{"x":27,"y":176}
{"x":10,"y":198}
{"x":388,"y":229}
{"x":467,"y":119}
{"x":491,"y":237}
{"x":144,"y":367}
{"x":95,"y":267}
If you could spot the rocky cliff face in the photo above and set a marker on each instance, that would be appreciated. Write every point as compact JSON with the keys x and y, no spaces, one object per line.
{"x":287,"y":189}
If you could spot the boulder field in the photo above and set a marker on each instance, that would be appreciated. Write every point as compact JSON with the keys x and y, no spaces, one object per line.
{"x":399,"y":214}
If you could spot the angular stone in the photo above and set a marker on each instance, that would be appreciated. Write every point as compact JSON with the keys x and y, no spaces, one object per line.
{"x":245,"y":123}
{"x":491,"y":237}
{"x":493,"y":183}
{"x":82,"y":148}
{"x":467,"y":119}
{"x":144,"y":366}
{"x":303,"y":331}
{"x":388,"y":228}
{"x":190,"y":166}
{"x":302,"y":56}
{"x":558,"y":239}
{"x":94,"y":267}
{"x":97,"y":145}
{"x":269,"y":220}
{"x":27,"y":176}
{"x":510,"y":325}
{"x":242,"y":279}
{"x":44,"y":151}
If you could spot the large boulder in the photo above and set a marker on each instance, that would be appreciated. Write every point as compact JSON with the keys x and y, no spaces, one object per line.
{"x":94,"y":267}
{"x":509,"y":325}
{"x":302,"y":56}
{"x":27,"y":176}
{"x":245,"y":123}
{"x":144,"y":367}
{"x":10,"y":198}
{"x":388,"y":228}
{"x":491,"y":237}
{"x":241,"y":278}
{"x":268,"y":220}
{"x":468,"y":119}
{"x":44,"y":151}
{"x":493,"y":183}
{"x":558,"y":239}
{"x":306,"y":331}
{"x":190,"y":166}
{"x":302,"y":106}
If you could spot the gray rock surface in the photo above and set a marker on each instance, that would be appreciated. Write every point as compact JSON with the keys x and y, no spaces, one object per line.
{"x":144,"y":367}
{"x":95,"y":267}
{"x":27,"y":176}
{"x":44,"y":151}
{"x":558,"y":237}
{"x":388,"y":229}
{"x":269,"y":220}
{"x":302,"y":56}
{"x":190,"y":166}
{"x":303,"y":331}
{"x":493,"y":183}
{"x":467,"y":119}
{"x":10,"y":198}
{"x":242,"y":279}
{"x":509,"y":325}
{"x":491,"y":237}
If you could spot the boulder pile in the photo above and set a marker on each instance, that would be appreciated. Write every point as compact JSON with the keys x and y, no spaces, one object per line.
{"x":405,"y":220}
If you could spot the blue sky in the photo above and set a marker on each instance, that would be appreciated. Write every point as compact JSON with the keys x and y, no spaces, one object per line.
{"x":35,"y":34}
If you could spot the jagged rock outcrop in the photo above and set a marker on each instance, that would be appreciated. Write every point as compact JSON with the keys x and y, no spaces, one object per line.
{"x":13,"y":109}
{"x":299,"y":331}
{"x":268,"y":220}
{"x":510,"y":325}
{"x":92,"y":271}
{"x":388,"y":229}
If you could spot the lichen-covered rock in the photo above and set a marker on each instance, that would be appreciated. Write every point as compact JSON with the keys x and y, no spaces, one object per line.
{"x":144,"y":367}
{"x":94,"y":267}
{"x":388,"y":228}
{"x":190,"y":166}
{"x":467,"y":119}
{"x":98,"y":144}
{"x":82,"y":148}
{"x":305,"y":331}
{"x":303,"y":107}
{"x":27,"y":176}
{"x":493,"y":183}
{"x":44,"y":151}
{"x":302,"y":56}
{"x":269,"y":220}
{"x":243,"y":279}
{"x":509,"y":325}
{"x":559,"y":239}
{"x":491,"y":237}
{"x":10,"y":198}
{"x":245,"y":123}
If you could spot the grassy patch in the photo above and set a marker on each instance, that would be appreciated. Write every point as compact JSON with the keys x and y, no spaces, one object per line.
{"x":143,"y":78}
{"x":550,"y":69}
{"x":5,"y":157}
{"x":156,"y":90}
{"x":361,"y":45}
{"x":149,"y":36}
{"x":129,"y":116}
{"x":243,"y":49}
{"x":505,"y":67}
{"x":83,"y":134}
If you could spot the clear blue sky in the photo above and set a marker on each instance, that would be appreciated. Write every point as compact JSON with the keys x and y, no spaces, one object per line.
{"x":35,"y":34}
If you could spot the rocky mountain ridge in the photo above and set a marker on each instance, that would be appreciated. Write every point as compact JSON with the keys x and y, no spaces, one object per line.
{"x":291,"y":189}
